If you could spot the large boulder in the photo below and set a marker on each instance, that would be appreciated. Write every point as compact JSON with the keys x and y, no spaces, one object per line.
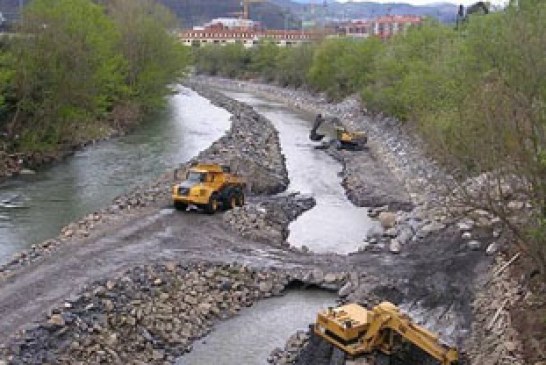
{"x":387,"y":219}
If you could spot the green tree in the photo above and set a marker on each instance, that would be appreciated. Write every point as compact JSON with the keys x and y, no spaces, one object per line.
{"x":413,"y":72}
{"x":68,"y":69}
{"x":342,"y":66}
{"x":293,"y":64}
{"x":153,"y":54}
{"x":6,"y":76}
{"x":263,"y":60}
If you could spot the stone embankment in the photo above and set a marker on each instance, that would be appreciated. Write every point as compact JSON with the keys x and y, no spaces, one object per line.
{"x":393,"y":175}
{"x":423,"y":210}
{"x":151,"y":314}
{"x":251,"y":147}
{"x":267,"y":219}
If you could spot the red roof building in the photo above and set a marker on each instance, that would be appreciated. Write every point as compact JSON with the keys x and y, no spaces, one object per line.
{"x":383,"y":27}
{"x":248,"y":38}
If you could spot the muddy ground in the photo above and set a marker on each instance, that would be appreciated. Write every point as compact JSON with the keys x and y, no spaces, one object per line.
{"x":433,"y":277}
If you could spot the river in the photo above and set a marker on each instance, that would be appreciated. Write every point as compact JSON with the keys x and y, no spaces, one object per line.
{"x":250,"y":337}
{"x":34,"y":208}
{"x":334,"y":224}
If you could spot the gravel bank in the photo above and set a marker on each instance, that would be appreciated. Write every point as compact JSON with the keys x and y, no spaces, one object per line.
{"x":266,"y":219}
{"x":251,"y":147}
{"x":421,"y":216}
{"x":151,"y":314}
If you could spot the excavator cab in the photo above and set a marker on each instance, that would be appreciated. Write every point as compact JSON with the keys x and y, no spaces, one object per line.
{"x":350,"y":140}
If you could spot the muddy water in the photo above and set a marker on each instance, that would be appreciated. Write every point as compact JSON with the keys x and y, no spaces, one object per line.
{"x":334,"y":224}
{"x":250,"y":337}
{"x":34,"y":208}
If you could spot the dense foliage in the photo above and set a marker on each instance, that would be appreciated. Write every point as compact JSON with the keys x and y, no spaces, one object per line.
{"x":74,"y":61}
{"x":478,"y":95}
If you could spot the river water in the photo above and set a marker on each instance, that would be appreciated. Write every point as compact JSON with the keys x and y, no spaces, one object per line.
{"x":34,"y":208}
{"x":250,"y":337}
{"x":334,"y":224}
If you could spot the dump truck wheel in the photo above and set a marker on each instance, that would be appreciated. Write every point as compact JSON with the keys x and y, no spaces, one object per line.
{"x":240,"y":198}
{"x":233,"y":200}
{"x":180,"y":206}
{"x":212,"y":205}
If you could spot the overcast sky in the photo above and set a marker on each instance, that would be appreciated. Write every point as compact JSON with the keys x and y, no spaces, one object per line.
{"x":424,"y":2}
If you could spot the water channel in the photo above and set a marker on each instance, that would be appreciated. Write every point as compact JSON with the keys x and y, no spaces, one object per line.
{"x":250,"y":337}
{"x":334,"y":224}
{"x":35,"y":207}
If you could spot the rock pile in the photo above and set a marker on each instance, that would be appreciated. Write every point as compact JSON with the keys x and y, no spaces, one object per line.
{"x":268,"y":218}
{"x":149,"y":314}
{"x":291,"y":350}
{"x":251,"y":147}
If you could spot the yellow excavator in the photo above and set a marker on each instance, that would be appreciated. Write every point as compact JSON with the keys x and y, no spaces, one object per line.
{"x":345,"y":140}
{"x":358,"y":331}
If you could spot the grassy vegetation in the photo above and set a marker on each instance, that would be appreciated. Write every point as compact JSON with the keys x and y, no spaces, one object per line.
{"x":74,"y":62}
{"x":478,"y":95}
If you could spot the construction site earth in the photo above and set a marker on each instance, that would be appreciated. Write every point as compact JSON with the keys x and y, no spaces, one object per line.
{"x":136,"y":281}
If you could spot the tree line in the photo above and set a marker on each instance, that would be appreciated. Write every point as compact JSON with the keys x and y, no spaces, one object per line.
{"x":74,"y":66}
{"x":477,"y":94}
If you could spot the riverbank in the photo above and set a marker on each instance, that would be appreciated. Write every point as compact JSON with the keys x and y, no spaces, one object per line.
{"x":399,"y":149}
{"x":118,"y":123}
{"x":150,"y":314}
{"x":250,"y":147}
{"x":435,"y":279}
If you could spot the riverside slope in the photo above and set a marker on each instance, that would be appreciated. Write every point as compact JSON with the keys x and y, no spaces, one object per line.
{"x":435,"y":278}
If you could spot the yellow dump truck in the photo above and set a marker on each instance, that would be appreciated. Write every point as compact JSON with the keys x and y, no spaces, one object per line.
{"x":357,"y":331}
{"x":210,"y":187}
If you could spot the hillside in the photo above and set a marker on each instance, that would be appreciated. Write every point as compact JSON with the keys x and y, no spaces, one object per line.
{"x":197,"y":12}
{"x":280,"y":13}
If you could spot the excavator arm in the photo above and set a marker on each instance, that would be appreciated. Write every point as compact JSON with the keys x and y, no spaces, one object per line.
{"x":413,"y":333}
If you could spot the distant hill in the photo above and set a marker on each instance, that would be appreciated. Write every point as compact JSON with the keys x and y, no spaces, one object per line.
{"x":307,"y":9}
{"x":276,"y":14}
{"x":198,"y":12}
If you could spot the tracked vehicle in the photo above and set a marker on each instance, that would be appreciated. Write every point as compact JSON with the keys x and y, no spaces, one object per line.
{"x":353,"y":141}
{"x":210,"y":187}
{"x":384,"y":329}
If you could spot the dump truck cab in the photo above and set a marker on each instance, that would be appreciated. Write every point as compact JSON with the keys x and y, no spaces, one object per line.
{"x":210,"y":187}
{"x":357,"y":330}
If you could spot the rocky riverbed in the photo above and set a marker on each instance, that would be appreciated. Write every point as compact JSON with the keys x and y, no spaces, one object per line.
{"x":150,"y":314}
{"x":422,"y":209}
{"x":432,"y":273}
{"x":267,"y":218}
{"x":250,"y":147}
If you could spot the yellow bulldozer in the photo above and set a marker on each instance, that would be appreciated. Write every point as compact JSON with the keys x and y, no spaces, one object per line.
{"x":209,"y":187}
{"x":384,"y":329}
